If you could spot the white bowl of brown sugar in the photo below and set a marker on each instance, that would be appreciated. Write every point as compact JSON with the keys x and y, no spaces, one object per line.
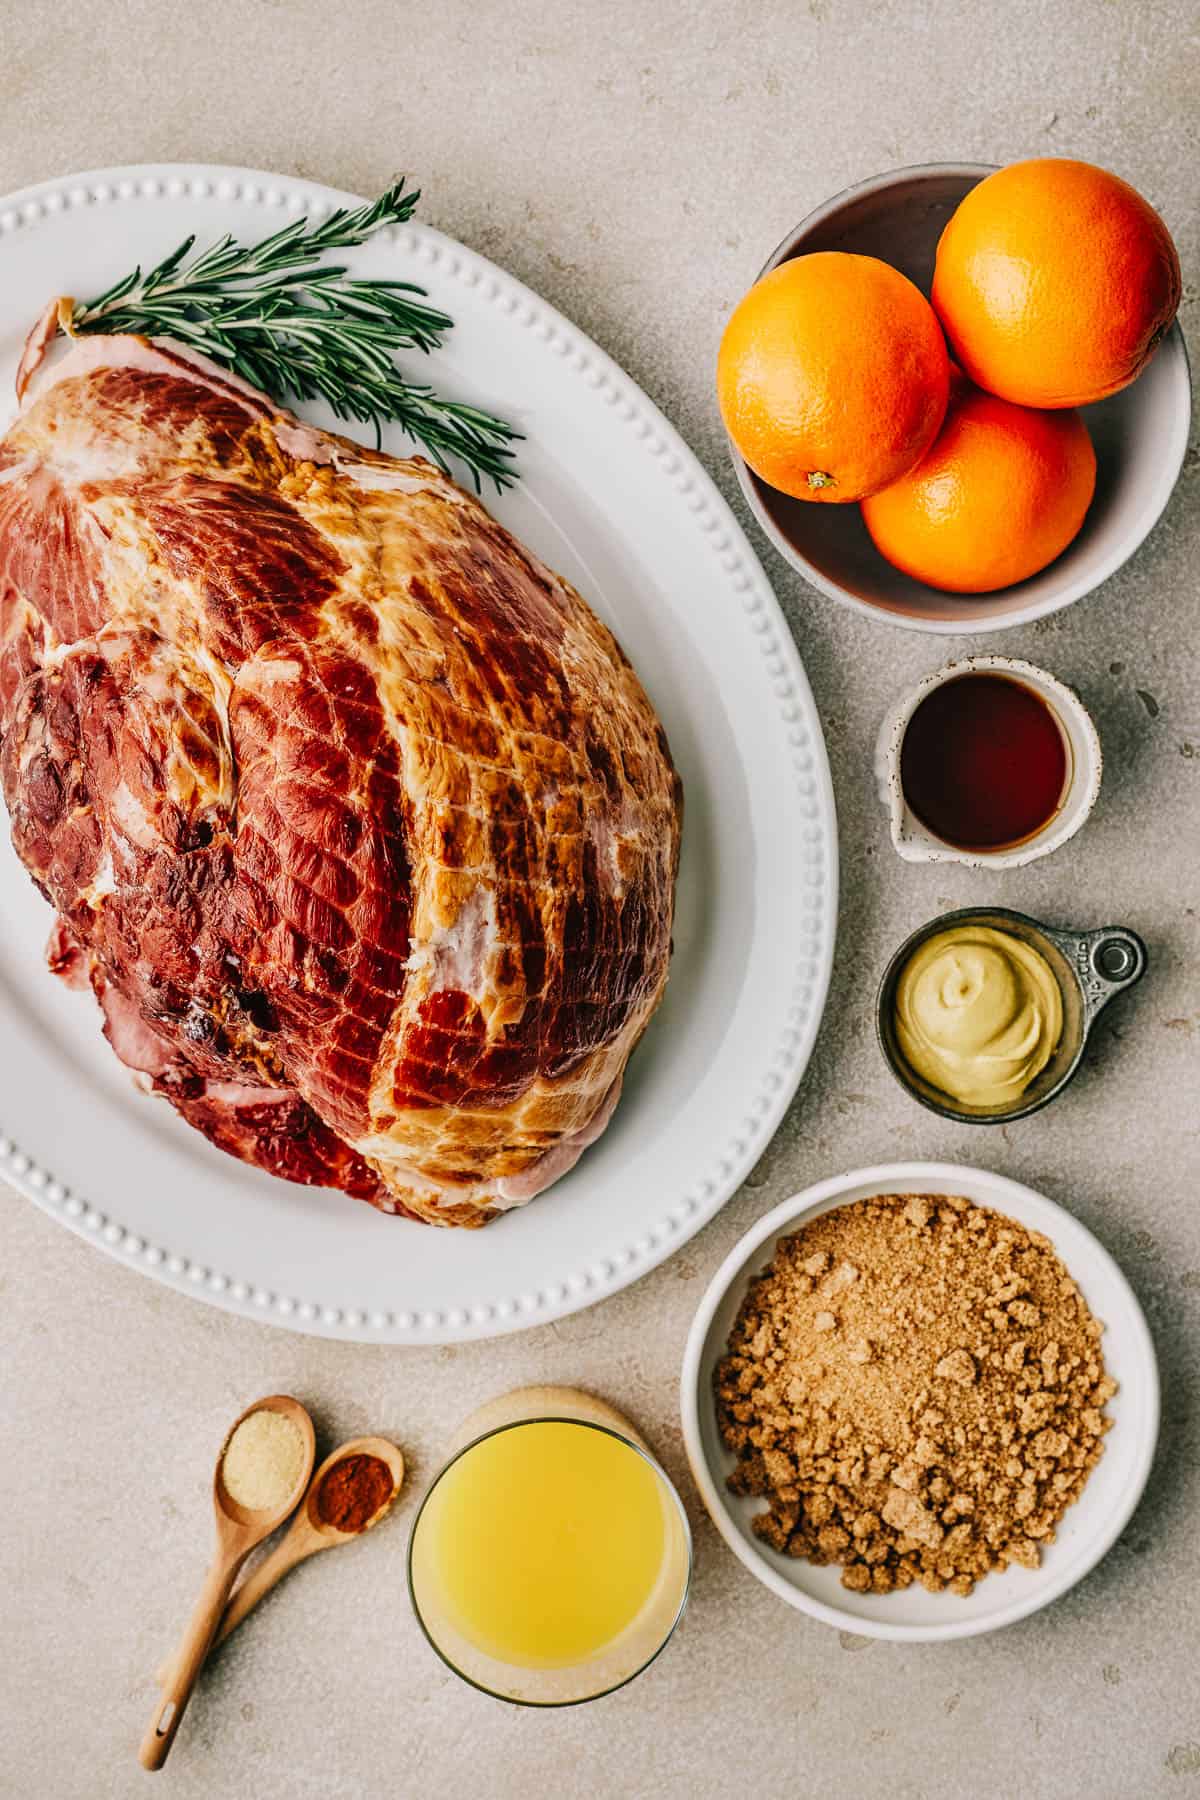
{"x":920,"y":1401}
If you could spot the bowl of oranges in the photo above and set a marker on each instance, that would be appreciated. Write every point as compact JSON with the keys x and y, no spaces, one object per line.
{"x":956,"y":396}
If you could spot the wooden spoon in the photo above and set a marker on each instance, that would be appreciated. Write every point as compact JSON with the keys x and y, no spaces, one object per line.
{"x":307,"y":1534}
{"x":238,"y":1531}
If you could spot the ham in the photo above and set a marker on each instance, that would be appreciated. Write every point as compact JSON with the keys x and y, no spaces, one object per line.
{"x":356,"y":816}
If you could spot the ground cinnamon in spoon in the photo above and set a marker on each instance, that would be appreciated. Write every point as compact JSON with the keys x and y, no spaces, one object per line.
{"x":915,"y":1385}
{"x":352,"y":1492}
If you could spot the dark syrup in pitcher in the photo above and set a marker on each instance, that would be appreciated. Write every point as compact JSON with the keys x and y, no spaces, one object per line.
{"x":984,"y":763}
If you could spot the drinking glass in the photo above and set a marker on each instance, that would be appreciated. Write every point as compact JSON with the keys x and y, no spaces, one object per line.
{"x":635,"y":1646}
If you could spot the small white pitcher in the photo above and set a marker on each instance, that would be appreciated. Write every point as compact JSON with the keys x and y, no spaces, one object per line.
{"x":915,"y":843}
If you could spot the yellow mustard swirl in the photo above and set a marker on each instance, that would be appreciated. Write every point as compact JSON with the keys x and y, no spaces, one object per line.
{"x":978,"y":1013}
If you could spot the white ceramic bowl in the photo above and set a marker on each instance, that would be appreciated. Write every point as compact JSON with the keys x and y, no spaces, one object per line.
{"x":1088,"y":1528}
{"x":916,"y":843}
{"x":1140,"y":435}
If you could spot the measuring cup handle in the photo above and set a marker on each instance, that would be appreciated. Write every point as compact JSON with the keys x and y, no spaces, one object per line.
{"x":1107,"y":962}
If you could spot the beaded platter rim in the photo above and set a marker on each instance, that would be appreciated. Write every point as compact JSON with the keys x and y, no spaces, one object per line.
{"x":786,"y":683}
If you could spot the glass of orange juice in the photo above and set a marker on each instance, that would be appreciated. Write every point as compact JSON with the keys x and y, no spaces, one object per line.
{"x":550,"y":1559}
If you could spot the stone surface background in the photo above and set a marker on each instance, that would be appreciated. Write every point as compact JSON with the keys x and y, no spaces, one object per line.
{"x":635,"y":163}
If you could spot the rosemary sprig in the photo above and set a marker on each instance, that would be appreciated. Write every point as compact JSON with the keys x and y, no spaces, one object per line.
{"x":302,"y":329}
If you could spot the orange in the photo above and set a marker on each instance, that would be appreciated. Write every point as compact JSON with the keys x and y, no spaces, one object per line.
{"x":1055,"y":281}
{"x":832,"y":376}
{"x":1001,"y":494}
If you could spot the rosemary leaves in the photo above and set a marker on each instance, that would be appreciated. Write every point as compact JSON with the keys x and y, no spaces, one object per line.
{"x":300,"y":328}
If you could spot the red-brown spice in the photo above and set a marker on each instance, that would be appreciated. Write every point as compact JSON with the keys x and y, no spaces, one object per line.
{"x":353,"y":1492}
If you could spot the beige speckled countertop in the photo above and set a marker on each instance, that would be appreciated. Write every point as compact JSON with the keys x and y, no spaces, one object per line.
{"x":635,"y":162}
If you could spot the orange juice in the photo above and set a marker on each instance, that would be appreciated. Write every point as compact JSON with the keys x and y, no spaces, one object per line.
{"x":543,"y":1544}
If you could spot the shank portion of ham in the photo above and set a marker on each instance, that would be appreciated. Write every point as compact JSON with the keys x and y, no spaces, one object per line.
{"x":355,"y":817}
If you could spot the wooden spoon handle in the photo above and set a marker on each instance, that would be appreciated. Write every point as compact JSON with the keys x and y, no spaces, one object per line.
{"x":186,"y":1663}
{"x":261,"y":1580}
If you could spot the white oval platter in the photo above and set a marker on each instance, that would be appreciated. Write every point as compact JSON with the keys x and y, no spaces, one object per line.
{"x":612,"y":497}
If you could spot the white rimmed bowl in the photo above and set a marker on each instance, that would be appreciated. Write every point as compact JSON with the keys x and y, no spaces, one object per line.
{"x":916,"y":843}
{"x":1088,"y":1529}
{"x":1140,"y":434}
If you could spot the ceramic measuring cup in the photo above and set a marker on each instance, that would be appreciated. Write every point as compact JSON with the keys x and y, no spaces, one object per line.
{"x":916,"y":843}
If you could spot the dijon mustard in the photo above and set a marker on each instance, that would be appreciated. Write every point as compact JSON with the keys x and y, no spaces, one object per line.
{"x":979,"y":1014}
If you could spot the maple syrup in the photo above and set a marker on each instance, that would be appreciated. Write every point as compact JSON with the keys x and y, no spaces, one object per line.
{"x":984,"y":763}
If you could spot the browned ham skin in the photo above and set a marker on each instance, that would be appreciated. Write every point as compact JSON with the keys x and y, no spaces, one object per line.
{"x":271,"y":1127}
{"x":354,"y":815}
